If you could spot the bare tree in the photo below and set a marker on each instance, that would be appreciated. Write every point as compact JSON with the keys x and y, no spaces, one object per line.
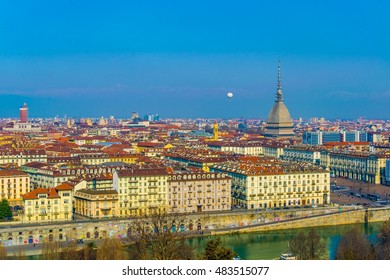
{"x":3,"y":252}
{"x":19,"y":255}
{"x":156,"y":237}
{"x":89,"y":251}
{"x":383,"y":247}
{"x":355,"y":246}
{"x":308,"y":247}
{"x":111,"y":249}
{"x":51,"y":250}
{"x":315,"y":246}
{"x":71,"y":252}
{"x":297,"y":246}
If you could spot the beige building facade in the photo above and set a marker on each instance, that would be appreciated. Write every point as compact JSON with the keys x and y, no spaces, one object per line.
{"x":361,"y":166}
{"x":96,"y":203}
{"x":198,"y":192}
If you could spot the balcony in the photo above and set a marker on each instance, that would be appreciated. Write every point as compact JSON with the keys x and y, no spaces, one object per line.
{"x":151,"y":193}
{"x":105,"y":208}
{"x":143,"y":200}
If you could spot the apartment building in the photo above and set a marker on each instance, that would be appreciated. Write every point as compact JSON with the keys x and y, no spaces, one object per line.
{"x":198,"y":192}
{"x":362,"y":166}
{"x":96,"y":203}
{"x":141,"y":190}
{"x":49,"y":205}
{"x":13,"y":183}
{"x":256,"y":185}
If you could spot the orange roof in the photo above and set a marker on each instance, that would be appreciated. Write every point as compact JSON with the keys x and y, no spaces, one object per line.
{"x":12,"y":173}
{"x":64,"y":187}
{"x":51,"y":193}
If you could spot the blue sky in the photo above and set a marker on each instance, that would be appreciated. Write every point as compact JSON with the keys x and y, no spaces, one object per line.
{"x":180,"y":58}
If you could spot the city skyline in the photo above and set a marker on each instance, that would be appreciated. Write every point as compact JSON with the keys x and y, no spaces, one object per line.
{"x":83,"y":60}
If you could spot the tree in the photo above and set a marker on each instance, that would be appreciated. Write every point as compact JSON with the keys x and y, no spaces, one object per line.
{"x":308,"y":247}
{"x":215,"y":251}
{"x":110,"y":249}
{"x":89,"y":251}
{"x":355,"y":246}
{"x":3,"y":252}
{"x":51,"y":250}
{"x":19,"y":255}
{"x":315,"y":246}
{"x":155,"y":237}
{"x":71,"y":252}
{"x":5,"y":210}
{"x":297,"y":246}
{"x":383,"y":247}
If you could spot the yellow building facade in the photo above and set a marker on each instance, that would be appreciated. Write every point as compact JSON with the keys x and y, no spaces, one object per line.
{"x":49,"y":205}
{"x":255,"y":187}
{"x":13,"y":183}
{"x":141,"y":191}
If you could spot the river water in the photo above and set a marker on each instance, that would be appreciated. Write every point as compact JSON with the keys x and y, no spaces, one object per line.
{"x":269,"y":245}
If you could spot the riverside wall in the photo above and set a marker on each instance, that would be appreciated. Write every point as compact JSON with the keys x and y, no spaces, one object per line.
{"x":209,"y":223}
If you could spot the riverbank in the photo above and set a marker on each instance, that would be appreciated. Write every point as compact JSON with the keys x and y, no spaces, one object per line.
{"x":204,"y":223}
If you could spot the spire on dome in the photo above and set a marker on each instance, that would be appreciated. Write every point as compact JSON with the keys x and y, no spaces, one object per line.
{"x":279,"y":92}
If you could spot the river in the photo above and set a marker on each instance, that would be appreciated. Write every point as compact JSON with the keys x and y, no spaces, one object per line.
{"x":269,"y":245}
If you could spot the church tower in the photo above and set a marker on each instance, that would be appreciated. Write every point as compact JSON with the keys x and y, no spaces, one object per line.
{"x":279,"y":123}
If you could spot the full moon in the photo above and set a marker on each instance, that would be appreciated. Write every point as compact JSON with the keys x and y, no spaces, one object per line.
{"x":229,"y":94}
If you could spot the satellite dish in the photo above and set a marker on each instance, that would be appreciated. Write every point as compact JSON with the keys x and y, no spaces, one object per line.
{"x":229,"y":95}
